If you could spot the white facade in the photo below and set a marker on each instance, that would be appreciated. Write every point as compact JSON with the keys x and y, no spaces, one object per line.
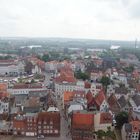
{"x":36,"y":69}
{"x":60,"y":88}
{"x":134,"y":106}
{"x":104,"y":106}
{"x":24,"y":90}
{"x":51,"y":66}
{"x":76,"y":107}
{"x":4,"y":107}
{"x":98,"y":125}
{"x":12,"y":69}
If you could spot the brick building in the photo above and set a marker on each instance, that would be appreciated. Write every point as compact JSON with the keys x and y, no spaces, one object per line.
{"x":48,"y":124}
{"x":82,"y":128}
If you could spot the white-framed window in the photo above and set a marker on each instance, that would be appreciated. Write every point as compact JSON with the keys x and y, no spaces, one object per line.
{"x":45,"y":127}
{"x":56,"y":131}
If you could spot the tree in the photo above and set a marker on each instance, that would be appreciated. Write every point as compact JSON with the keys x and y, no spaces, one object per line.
{"x":106,"y":134}
{"x":100,"y":134}
{"x":105,"y":82}
{"x":121,"y":118}
{"x":46,"y":57}
{"x":32,"y":81}
{"x":129,"y":69}
{"x":81,"y":75}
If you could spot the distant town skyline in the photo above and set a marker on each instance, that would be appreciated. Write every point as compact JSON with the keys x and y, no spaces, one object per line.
{"x":89,"y":19}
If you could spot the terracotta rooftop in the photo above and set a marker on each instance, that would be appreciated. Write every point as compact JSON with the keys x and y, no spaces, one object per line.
{"x":22,"y":86}
{"x":3,"y":87}
{"x":87,"y":85}
{"x":86,"y":120}
{"x":66,"y":76}
{"x":105,"y":117}
{"x":100,"y":98}
{"x":68,"y":95}
{"x":49,"y":116}
{"x":135,"y":126}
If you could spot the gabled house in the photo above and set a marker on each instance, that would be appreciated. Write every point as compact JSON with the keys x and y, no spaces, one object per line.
{"x":101,"y":102}
{"x":119,"y":91}
{"x":82,"y":125}
{"x":102,"y":120}
{"x":124,"y":105}
{"x":91,"y":104}
{"x":19,"y":125}
{"x":48,"y":124}
{"x":131,"y":131}
{"x":114,"y":106}
{"x":135,"y":102}
{"x":98,"y":102}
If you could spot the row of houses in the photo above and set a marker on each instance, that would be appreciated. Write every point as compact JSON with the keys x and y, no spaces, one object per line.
{"x":35,"y":124}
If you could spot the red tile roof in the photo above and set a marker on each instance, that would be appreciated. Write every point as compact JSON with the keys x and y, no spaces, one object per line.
{"x":7,"y":61}
{"x":3,"y":87}
{"x":4,"y":94}
{"x":22,"y":86}
{"x":87,"y":85}
{"x":82,"y":120}
{"x":68,"y":95}
{"x":135,"y":126}
{"x":100,"y":98}
{"x":49,"y":116}
{"x":113,"y":104}
{"x":105,"y":117}
{"x":66,"y":75}
{"x":89,"y":97}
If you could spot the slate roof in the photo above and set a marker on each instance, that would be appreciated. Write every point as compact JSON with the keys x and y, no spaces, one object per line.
{"x":128,"y":127}
{"x":136,"y":99}
{"x":121,"y":90}
{"x":122,"y":101}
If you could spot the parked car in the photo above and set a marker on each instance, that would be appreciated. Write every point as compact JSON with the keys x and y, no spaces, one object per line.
{"x":40,"y":137}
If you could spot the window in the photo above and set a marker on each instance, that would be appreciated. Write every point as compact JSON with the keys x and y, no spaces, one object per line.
{"x":39,"y":127}
{"x":56,"y":131}
{"x":48,"y":127}
{"x":39,"y":131}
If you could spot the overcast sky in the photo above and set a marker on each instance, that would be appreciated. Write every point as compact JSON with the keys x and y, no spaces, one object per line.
{"x":94,"y":19}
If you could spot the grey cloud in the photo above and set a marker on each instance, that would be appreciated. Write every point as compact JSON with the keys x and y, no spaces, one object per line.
{"x":134,"y":10}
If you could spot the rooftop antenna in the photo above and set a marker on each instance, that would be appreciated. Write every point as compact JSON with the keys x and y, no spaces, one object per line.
{"x":136,"y":43}
{"x":135,"y":49}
